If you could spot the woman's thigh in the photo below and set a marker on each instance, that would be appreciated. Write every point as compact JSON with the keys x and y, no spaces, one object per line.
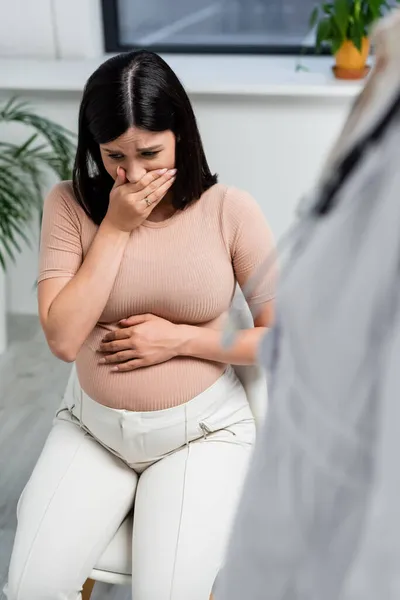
{"x":76,"y":498}
{"x":184,"y":508}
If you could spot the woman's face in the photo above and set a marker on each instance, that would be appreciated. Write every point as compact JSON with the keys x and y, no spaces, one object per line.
{"x":138,"y":151}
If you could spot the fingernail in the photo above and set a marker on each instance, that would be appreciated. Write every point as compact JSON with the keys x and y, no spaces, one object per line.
{"x":115,"y":369}
{"x":102,"y":361}
{"x":172,"y":171}
{"x":162,"y":171}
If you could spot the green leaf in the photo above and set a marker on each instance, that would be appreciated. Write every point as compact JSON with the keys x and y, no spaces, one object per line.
{"x":358,"y":34}
{"x":341,"y":16}
{"x":377,"y":8}
{"x":368,"y":16}
{"x":60,"y":140}
{"x":301,"y":68}
{"x":27,"y":144}
{"x":23,"y":169}
{"x":314,"y":17}
{"x":357,"y":9}
{"x":323,"y":33}
{"x":327,"y":8}
{"x":335,"y":47}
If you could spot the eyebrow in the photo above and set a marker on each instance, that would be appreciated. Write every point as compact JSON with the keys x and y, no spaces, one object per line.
{"x":146,"y":149}
{"x":150,"y":148}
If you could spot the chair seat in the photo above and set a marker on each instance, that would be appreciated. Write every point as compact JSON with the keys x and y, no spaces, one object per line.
{"x":117,"y":557}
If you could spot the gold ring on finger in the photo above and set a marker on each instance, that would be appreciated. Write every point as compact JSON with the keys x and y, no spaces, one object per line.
{"x":148,"y":202}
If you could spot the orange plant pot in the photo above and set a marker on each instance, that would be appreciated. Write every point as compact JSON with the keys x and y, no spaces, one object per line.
{"x":350,"y":62}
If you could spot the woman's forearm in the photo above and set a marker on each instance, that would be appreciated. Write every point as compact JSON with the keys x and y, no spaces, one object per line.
{"x":206,"y":343}
{"x":77,"y":308}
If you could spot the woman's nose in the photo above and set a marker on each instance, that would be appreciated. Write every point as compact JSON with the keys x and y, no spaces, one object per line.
{"x":135,"y":172}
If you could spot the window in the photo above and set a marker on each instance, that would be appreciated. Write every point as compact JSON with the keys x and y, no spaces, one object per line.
{"x":208,"y":26}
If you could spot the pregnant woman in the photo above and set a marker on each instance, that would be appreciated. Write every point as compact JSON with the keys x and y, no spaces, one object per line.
{"x":140,"y":256}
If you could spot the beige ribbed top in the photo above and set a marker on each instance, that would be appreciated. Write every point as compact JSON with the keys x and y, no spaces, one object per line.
{"x":183,"y":269}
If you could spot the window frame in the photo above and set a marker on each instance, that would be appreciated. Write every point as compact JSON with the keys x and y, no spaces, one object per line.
{"x":114,"y":45}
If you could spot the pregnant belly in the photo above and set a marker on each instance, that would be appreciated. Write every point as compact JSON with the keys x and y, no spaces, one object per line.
{"x":151,"y":388}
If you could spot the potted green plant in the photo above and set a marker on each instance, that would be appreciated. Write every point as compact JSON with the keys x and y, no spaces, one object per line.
{"x":344,"y":26}
{"x":23,"y":167}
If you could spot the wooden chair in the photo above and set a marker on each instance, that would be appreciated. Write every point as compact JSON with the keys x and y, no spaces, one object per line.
{"x":115,"y":565}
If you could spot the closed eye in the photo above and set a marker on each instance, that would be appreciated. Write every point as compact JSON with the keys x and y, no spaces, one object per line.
{"x":116,"y":156}
{"x":149,"y":153}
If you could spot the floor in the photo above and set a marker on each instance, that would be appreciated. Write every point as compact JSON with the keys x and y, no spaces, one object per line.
{"x":31,"y":385}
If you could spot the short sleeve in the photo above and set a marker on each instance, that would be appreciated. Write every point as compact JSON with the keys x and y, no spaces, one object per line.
{"x":60,"y":245}
{"x":251,"y":245}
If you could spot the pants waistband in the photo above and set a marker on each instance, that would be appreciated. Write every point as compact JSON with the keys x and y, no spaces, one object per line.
{"x":224,"y":390}
{"x":142,"y":438}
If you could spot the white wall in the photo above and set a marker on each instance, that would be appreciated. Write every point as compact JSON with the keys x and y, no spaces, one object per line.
{"x":50,"y":28}
{"x":273,"y":146}
{"x":26,"y":28}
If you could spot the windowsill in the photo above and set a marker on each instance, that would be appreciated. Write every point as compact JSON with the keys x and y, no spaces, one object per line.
{"x":201,"y":75}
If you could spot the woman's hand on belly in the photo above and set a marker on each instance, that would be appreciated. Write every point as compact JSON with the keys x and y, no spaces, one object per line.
{"x":141,"y":341}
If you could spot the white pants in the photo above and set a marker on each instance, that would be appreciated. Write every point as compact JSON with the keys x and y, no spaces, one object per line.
{"x":181,"y":468}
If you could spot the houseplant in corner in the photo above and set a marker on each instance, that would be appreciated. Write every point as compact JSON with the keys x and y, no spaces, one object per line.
{"x":344,"y":26}
{"x":23,"y":167}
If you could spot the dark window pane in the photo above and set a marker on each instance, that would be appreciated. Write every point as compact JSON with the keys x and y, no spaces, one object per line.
{"x":218,"y":24}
